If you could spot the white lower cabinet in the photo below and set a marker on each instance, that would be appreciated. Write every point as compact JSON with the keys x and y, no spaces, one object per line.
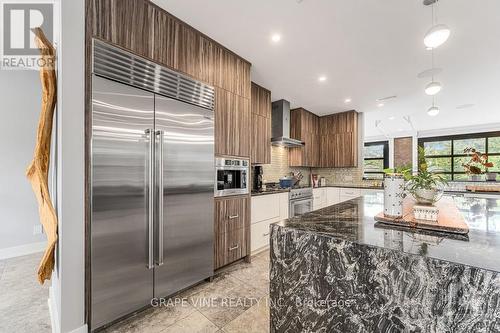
{"x":266,"y":209}
{"x":332,"y":196}
{"x":349,"y":193}
{"x":319,"y":198}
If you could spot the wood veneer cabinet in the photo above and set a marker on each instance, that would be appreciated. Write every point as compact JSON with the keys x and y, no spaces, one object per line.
{"x":339,"y":140}
{"x":304,"y":127}
{"x":232,"y":230}
{"x":261,"y":125}
{"x":149,"y":31}
{"x":232,"y":124}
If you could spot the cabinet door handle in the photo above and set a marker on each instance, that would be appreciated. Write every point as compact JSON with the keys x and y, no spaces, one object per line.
{"x":234,"y":247}
{"x":266,"y":234}
{"x":231,"y":217}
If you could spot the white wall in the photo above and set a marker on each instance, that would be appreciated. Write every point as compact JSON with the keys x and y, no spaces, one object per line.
{"x":19,"y":112}
{"x":67,"y":294}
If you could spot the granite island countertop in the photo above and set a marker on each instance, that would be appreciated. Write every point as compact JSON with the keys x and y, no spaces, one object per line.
{"x":353,"y":221}
{"x":333,"y":270}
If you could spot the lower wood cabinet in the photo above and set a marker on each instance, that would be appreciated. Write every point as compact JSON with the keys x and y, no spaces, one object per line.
{"x":232,"y":230}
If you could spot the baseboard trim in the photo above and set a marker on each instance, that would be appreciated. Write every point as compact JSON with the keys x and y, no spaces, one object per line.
{"x":22,"y":250}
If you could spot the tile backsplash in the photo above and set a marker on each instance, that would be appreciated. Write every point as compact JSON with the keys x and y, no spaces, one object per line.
{"x":279,"y":167}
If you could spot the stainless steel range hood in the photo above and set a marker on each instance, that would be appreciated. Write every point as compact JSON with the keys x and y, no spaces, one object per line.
{"x":281,"y":125}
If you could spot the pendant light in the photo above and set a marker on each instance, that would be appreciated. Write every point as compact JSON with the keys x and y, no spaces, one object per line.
{"x":433,"y":110}
{"x":438,"y":33}
{"x":433,"y":87}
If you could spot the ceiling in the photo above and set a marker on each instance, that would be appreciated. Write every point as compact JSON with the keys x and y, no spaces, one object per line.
{"x":367,"y":49}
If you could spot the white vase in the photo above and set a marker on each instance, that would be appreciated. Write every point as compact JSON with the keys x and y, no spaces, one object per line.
{"x":394,"y":193}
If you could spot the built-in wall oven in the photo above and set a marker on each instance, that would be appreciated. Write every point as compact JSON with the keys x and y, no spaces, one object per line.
{"x":231,"y":176}
{"x":301,"y":201}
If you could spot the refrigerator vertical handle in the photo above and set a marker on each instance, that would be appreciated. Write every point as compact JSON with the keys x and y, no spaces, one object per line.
{"x":160,"y":197}
{"x":150,"y":168}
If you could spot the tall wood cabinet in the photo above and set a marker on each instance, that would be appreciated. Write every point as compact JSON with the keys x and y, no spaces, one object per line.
{"x":261,"y":125}
{"x":304,"y":127}
{"x":339,"y":140}
{"x":232,"y":230}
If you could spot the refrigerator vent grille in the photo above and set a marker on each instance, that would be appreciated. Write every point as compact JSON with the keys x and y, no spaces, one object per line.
{"x":119,"y":65}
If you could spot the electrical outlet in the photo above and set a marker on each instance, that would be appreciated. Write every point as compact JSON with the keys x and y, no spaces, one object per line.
{"x":37,"y":229}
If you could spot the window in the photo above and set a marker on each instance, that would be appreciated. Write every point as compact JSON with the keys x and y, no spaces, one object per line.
{"x":376,"y":159}
{"x":445,"y":155}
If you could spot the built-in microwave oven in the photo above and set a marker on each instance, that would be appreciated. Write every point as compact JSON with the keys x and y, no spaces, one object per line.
{"x":231,"y":176}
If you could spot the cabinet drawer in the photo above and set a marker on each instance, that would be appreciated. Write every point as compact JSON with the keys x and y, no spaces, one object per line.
{"x":259,"y":235}
{"x":350,"y":192}
{"x":265,"y":207}
{"x":231,"y":214}
{"x":230,"y":246}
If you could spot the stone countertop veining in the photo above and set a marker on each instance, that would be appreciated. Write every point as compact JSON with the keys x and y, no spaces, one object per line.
{"x":353,"y":221}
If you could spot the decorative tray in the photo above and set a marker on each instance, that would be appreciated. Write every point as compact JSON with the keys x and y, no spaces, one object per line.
{"x":449,"y":219}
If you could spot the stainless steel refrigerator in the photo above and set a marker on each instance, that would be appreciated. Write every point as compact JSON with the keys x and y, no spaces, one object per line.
{"x":152,"y":183}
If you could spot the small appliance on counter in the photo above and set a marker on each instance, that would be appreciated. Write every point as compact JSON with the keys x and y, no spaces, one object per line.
{"x":257,"y":178}
{"x":314,"y":180}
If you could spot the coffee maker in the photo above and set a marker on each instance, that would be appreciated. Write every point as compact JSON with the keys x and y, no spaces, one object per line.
{"x":257,"y":178}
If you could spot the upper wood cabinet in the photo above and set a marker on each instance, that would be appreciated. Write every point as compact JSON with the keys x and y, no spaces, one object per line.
{"x":339,"y":140}
{"x":232,"y":124}
{"x":149,"y":31}
{"x":304,"y":127}
{"x":261,"y":125}
{"x":330,"y":141}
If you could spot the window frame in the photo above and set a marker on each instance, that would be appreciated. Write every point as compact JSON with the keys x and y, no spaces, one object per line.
{"x":385,"y":157}
{"x":452,"y":156}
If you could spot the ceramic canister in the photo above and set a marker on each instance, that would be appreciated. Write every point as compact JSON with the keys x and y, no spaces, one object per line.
{"x":394,"y":193}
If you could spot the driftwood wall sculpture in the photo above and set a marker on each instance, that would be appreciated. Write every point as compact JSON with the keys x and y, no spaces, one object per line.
{"x":38,"y":169}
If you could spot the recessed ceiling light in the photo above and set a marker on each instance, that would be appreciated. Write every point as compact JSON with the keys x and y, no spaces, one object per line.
{"x":380,"y":105}
{"x":347,"y":100}
{"x":322,"y":78}
{"x":433,"y":88}
{"x":276,"y":38}
{"x":392,"y":118}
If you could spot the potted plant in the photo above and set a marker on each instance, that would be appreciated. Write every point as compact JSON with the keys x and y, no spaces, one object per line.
{"x":476,"y":161}
{"x":426,"y":187}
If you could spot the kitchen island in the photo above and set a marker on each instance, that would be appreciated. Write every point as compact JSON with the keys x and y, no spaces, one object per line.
{"x":334,"y":270}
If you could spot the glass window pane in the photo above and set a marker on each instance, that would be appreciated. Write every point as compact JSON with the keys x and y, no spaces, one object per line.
{"x":496,"y":163}
{"x":373,"y":176}
{"x":438,"y":164}
{"x":478,"y":144}
{"x":437,"y":148}
{"x":374,"y":165}
{"x":374,"y":151}
{"x":494,"y":145}
{"x":446,"y":176}
{"x":460,"y":176}
{"x":458,"y":161}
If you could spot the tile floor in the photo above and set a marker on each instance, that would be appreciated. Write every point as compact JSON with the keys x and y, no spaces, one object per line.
{"x":235,"y":301}
{"x":23,"y":305}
